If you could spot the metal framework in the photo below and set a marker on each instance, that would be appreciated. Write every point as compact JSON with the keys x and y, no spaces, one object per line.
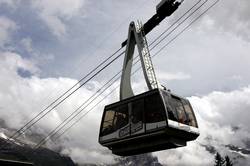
{"x":136,"y":36}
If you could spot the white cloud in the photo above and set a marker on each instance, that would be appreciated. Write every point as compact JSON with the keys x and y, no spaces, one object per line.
{"x":193,"y":154}
{"x":22,"y":98}
{"x":93,"y":156}
{"x":53,"y":13}
{"x":11,"y":61}
{"x":173,"y":76}
{"x":228,"y":108}
{"x":6,"y":27}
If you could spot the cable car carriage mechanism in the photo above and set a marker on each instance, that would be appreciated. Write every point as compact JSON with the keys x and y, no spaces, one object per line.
{"x":152,"y":121}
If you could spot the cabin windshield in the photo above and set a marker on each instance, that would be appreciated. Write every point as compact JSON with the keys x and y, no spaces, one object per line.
{"x":179,"y":110}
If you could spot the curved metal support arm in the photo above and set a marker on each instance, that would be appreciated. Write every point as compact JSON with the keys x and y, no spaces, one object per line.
{"x":136,"y":37}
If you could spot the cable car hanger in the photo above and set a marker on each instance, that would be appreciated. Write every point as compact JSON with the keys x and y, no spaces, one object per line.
{"x":154,"y":120}
{"x":136,"y":36}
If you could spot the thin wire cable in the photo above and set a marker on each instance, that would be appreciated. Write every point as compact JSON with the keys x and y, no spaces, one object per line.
{"x":197,"y":18}
{"x":60,"y":127}
{"x":183,"y":21}
{"x":132,"y":74}
{"x":175,"y":22}
{"x":52,"y":133}
{"x":77,"y":112}
{"x":73,"y":124}
{"x":35,"y":120}
{"x":78,"y":88}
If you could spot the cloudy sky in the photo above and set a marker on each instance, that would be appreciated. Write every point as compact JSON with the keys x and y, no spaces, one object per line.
{"x":46,"y":46}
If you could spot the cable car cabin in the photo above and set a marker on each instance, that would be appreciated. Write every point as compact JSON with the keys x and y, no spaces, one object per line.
{"x":152,"y":121}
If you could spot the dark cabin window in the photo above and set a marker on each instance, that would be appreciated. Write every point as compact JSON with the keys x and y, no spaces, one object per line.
{"x":107,"y":126}
{"x":154,"y":109}
{"x":137,"y":111}
{"x":121,"y":118}
{"x":115,"y":119}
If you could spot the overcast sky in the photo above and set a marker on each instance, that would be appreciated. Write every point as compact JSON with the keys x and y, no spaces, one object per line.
{"x":45,"y":46}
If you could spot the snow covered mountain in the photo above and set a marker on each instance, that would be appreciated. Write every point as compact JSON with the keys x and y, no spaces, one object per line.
{"x":15,"y":150}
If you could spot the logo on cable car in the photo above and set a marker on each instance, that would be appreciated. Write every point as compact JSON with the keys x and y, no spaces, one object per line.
{"x":123,"y":132}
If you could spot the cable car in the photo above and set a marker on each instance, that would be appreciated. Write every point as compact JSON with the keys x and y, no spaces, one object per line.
{"x":152,"y":121}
